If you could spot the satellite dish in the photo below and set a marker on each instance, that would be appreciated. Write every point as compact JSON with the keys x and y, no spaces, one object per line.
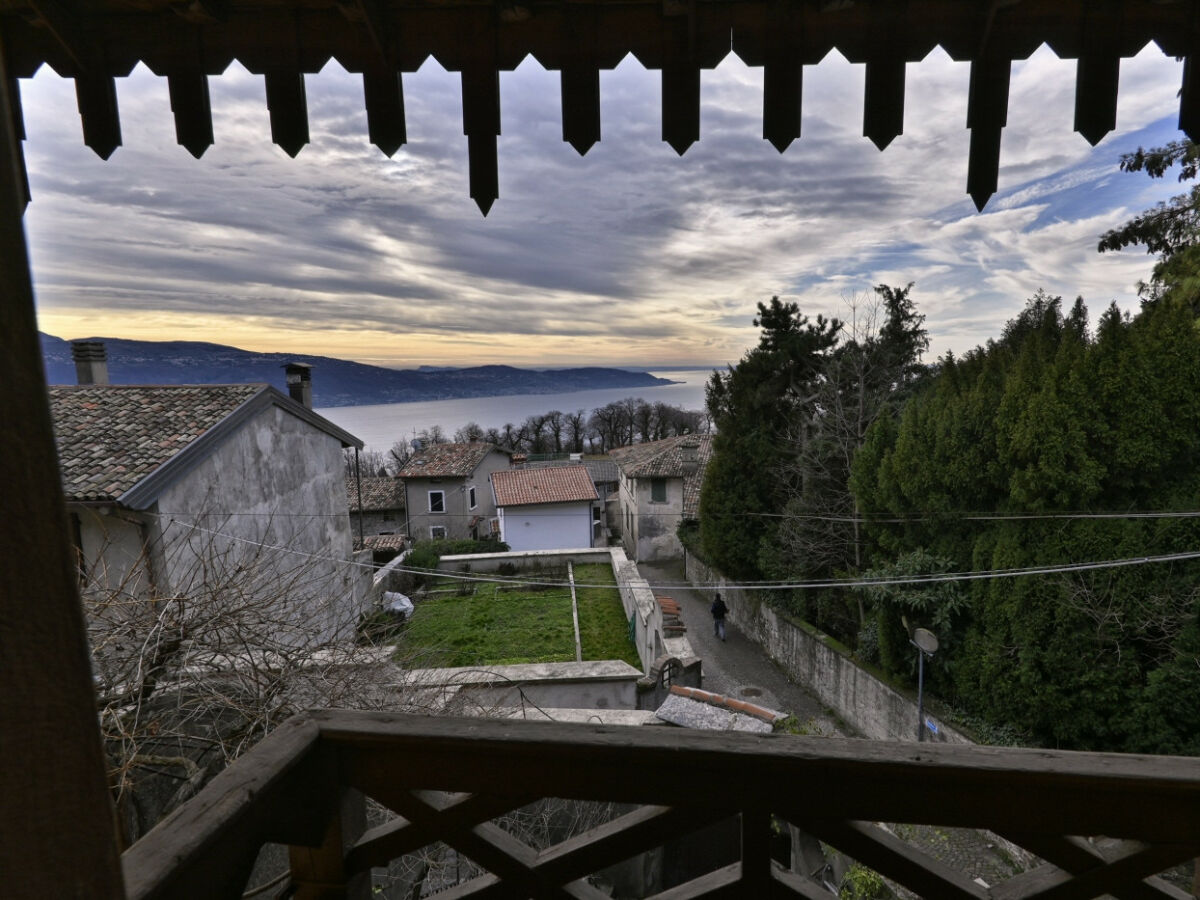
{"x":926,"y":640}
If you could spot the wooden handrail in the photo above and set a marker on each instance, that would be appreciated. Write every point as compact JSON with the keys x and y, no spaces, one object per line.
{"x":289,"y":790}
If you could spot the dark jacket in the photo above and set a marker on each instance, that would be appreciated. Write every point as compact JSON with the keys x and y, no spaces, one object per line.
{"x":718,"y":609}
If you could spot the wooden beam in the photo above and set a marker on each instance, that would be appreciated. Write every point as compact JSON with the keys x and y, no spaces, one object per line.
{"x":58,"y":836}
{"x":319,"y":873}
{"x":1098,"y":70}
{"x":192,"y":109}
{"x":1135,"y":862}
{"x":1076,"y":855}
{"x":892,"y":857}
{"x":18,"y":127}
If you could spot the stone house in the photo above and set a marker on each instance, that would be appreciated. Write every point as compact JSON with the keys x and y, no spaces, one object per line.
{"x":447,"y":492}
{"x":169,"y":489}
{"x":658,"y":489}
{"x":382,"y":509}
{"x":546,"y":508}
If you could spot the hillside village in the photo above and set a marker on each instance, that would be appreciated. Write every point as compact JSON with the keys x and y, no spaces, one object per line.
{"x":962,"y":648}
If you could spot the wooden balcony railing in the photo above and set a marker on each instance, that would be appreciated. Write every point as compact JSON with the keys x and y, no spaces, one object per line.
{"x":447,"y":779}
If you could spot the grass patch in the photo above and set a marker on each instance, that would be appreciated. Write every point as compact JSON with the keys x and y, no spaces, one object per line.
{"x":490,"y":626}
{"x":603,"y":628}
{"x":477,"y":624}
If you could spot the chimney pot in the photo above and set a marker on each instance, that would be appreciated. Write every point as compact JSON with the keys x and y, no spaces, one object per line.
{"x":91,"y":362}
{"x":299,"y":383}
{"x":689,"y":453}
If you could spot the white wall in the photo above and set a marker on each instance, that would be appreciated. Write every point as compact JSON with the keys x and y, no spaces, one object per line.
{"x":547,"y":526}
{"x":266,"y":515}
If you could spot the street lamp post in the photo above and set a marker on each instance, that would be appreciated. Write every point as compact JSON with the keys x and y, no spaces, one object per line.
{"x":926,"y":643}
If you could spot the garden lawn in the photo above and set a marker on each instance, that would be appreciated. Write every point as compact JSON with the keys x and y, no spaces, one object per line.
{"x":490,"y":626}
{"x":603,"y":628}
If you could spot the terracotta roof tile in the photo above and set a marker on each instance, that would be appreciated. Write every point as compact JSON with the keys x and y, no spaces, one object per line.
{"x":446,"y":460}
{"x":559,"y":484}
{"x":112,"y":436}
{"x":663,"y":459}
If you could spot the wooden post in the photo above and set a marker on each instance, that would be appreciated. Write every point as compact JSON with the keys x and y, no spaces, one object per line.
{"x":58,"y":834}
{"x":320,"y":873}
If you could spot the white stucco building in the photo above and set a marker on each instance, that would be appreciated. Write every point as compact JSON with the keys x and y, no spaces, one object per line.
{"x":554,"y":508}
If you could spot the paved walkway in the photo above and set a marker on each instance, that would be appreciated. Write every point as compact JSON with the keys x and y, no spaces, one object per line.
{"x":738,"y":667}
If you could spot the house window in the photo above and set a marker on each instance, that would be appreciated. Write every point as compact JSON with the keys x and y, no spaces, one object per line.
{"x":437,"y":532}
{"x":471,"y":497}
{"x":437,"y":501}
{"x":658,"y":490}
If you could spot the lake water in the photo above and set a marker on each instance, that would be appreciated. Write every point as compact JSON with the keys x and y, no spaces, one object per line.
{"x":380,"y":426}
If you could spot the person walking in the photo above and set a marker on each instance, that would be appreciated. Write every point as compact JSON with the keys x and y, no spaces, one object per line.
{"x":719,"y":610}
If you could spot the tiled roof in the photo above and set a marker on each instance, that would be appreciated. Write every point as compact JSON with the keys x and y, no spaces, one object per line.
{"x":602,"y":470}
{"x":381,"y":542}
{"x":111,"y":436}
{"x":559,"y":484}
{"x":378,"y":494}
{"x":663,"y":459}
{"x":446,"y":460}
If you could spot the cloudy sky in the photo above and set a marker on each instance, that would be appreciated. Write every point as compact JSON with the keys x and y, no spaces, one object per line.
{"x":629,"y":255}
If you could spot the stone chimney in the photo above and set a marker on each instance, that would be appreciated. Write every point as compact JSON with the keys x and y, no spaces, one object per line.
{"x":91,"y":362}
{"x":299,"y":383}
{"x":689,"y":453}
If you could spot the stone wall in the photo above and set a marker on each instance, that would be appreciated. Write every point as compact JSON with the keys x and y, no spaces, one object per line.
{"x":863,"y":701}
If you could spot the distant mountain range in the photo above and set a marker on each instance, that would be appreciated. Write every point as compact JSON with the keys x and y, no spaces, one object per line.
{"x":336,"y":382}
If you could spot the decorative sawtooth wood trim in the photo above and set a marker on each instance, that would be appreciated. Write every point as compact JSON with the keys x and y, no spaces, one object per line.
{"x":192,"y":109}
{"x":580,"y":85}
{"x":97,"y":99}
{"x":1189,"y":98}
{"x":481,"y":125}
{"x":987,"y":114}
{"x":1076,"y":855}
{"x":883,"y":100}
{"x":680,"y":105}
{"x":783,"y":74}
{"x":383,"y":95}
{"x":288,"y":108}
{"x":1097,"y":72}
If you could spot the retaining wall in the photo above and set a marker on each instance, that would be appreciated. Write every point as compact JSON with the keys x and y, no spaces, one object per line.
{"x":864,"y":702}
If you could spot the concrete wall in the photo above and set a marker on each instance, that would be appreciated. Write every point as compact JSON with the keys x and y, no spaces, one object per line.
{"x":648,"y":527}
{"x":112,"y":545}
{"x":604,"y":684}
{"x":863,"y":701}
{"x":546,"y":526}
{"x":266,"y":517}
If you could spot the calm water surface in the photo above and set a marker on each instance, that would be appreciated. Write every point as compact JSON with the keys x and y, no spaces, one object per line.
{"x":382,"y":425}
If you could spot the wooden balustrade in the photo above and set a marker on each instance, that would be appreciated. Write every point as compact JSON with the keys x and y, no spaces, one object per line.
{"x":445,"y":780}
